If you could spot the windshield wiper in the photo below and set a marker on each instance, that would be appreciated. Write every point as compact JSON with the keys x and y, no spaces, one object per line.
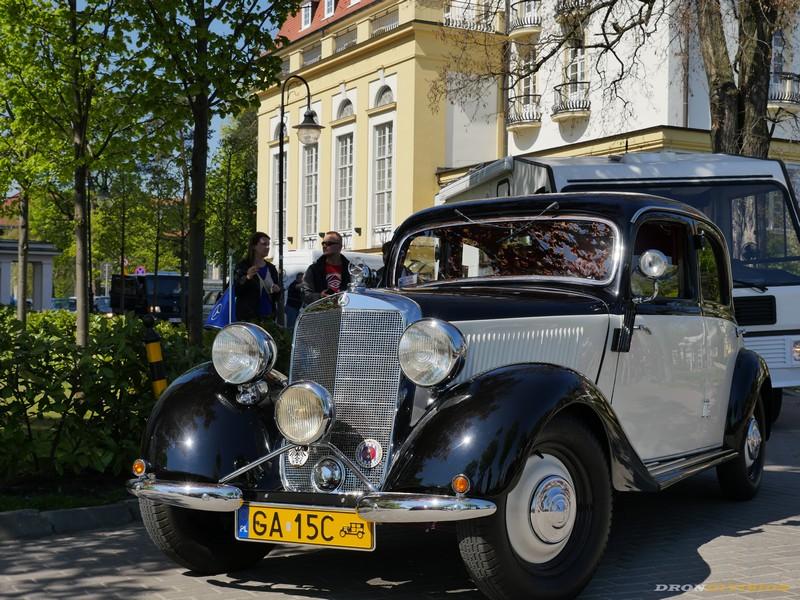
{"x":751,"y":284}
{"x":526,"y":228}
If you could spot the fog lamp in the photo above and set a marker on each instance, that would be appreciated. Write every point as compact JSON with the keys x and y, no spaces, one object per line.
{"x":304,"y":412}
{"x":796,"y":350}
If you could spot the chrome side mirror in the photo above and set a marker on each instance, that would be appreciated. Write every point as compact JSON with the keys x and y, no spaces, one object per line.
{"x":653,"y":265}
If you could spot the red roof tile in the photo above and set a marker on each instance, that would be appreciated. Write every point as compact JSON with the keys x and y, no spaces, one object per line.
{"x":291,"y":27}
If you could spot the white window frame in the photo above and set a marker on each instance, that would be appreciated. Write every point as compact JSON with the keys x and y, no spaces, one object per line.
{"x":306,"y":15}
{"x":274,"y":211}
{"x":309,"y":192}
{"x":330,"y":6}
{"x":343,"y":181}
{"x":380,"y":231}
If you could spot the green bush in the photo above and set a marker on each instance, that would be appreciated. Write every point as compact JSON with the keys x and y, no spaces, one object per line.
{"x":64,"y":410}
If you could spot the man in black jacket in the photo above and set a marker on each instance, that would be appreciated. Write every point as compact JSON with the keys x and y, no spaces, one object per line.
{"x":330,"y":273}
{"x":256,"y":281}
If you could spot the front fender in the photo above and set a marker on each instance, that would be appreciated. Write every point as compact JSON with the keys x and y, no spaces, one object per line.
{"x":749,"y":375}
{"x":485,"y":428}
{"x":197,"y":431}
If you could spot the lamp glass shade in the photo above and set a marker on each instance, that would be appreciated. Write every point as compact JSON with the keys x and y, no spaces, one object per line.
{"x":308,"y":131}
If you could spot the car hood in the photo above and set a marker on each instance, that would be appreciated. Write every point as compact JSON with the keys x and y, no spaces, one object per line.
{"x":468,"y":303}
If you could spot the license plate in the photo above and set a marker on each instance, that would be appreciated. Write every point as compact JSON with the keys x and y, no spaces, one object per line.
{"x":293,"y":525}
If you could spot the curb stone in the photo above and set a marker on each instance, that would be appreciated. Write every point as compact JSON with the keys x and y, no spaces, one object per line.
{"x":30,"y":523}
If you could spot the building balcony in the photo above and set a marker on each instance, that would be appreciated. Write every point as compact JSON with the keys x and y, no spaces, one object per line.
{"x":524,"y":111}
{"x":384,"y":22}
{"x":571,"y":101}
{"x":524,"y":19}
{"x":784,"y":92}
{"x":570,"y":8}
{"x":474,"y":15}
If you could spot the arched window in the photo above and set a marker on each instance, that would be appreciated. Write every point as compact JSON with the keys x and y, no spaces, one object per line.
{"x":277,"y":134}
{"x":385,"y":96}
{"x":345,"y":109}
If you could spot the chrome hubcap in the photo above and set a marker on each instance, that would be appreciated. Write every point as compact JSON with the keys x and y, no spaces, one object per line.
{"x":551,"y":509}
{"x":541,"y":510}
{"x":752,"y":443}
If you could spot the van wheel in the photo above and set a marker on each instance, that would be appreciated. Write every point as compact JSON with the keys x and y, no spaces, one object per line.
{"x":201,"y":541}
{"x":740,"y":478}
{"x":550,"y":530}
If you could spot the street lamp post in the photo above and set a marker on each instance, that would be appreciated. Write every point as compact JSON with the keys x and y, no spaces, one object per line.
{"x":307,"y":132}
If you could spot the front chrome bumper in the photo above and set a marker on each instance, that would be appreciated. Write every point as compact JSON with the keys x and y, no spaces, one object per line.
{"x":378,"y":507}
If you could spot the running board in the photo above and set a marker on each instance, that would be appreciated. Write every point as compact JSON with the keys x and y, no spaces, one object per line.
{"x":670,"y":471}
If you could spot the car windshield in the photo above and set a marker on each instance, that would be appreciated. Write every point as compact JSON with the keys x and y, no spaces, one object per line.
{"x":757,"y":222}
{"x":570,"y":249}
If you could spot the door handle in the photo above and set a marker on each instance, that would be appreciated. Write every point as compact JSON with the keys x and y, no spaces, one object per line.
{"x":644,"y":328}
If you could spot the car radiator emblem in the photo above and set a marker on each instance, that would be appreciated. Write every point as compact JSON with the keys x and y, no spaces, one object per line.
{"x":369,"y":453}
{"x":297,"y":456}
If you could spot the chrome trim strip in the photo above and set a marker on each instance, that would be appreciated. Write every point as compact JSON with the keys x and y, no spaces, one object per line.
{"x":667,"y":209}
{"x":255,"y":463}
{"x":197,"y":496}
{"x":389,"y":507}
{"x":692,"y":461}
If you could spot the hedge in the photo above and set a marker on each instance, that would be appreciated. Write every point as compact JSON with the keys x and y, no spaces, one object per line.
{"x":65,"y":410}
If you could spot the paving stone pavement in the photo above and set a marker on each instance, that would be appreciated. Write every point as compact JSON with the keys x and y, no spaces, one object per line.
{"x":685,"y":537}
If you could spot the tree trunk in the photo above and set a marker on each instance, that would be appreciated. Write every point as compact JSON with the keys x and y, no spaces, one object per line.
{"x":82,"y":321}
{"x":756,"y":28}
{"x":197,"y":222}
{"x":22,"y":259}
{"x":722,"y":91}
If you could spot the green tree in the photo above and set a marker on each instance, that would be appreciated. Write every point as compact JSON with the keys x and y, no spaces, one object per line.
{"x":213,"y":53}
{"x":232,"y":191}
{"x":74,"y":66}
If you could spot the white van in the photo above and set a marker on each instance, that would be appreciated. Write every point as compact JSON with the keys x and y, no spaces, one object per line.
{"x":751,"y":200}
{"x":297,"y":261}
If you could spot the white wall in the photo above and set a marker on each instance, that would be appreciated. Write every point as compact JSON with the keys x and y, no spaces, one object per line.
{"x":471,"y":130}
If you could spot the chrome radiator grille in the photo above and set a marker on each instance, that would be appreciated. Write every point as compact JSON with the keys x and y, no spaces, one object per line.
{"x":353,"y":354}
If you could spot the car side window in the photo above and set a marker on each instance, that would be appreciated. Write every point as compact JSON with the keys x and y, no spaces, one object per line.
{"x":671,"y":238}
{"x":713,"y":277}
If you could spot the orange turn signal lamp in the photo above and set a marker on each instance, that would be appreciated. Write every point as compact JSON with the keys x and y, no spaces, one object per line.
{"x":460,"y":484}
{"x":139,"y":467}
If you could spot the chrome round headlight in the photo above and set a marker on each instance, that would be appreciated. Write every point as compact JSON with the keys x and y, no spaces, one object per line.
{"x":304,"y":412}
{"x":242,"y":352}
{"x":431,"y":351}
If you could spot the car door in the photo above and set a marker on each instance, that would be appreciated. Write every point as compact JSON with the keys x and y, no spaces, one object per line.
{"x":660,"y":383}
{"x":722,"y":342}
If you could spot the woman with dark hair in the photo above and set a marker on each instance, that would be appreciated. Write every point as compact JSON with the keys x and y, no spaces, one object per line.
{"x":256,"y":282}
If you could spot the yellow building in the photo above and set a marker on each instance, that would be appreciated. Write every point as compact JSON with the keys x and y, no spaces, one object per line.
{"x":369,"y":65}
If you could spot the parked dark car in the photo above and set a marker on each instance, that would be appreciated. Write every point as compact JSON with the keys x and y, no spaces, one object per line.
{"x":160,"y":295}
{"x":531,"y":357}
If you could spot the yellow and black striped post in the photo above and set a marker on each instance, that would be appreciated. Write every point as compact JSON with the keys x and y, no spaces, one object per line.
{"x":152,"y":345}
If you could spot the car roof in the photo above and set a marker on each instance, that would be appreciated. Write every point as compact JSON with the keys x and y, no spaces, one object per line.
{"x":618,"y":207}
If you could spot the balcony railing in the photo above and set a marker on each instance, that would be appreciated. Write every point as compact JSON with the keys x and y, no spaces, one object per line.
{"x":383,"y":23}
{"x":381,"y":234}
{"x":571,"y":97}
{"x":475,"y":15}
{"x":312,"y":55}
{"x":784,"y":88}
{"x":525,"y":14}
{"x":524,"y":108}
{"x":568,"y":7}
{"x":344,"y":40}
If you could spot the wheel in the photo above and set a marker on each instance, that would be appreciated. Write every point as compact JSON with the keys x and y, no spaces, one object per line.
{"x":342,"y":532}
{"x":201,"y":541}
{"x":360,"y":534}
{"x":740,"y":478}
{"x":551,"y":528}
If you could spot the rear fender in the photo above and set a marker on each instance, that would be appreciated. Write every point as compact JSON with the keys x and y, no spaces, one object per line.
{"x":485,"y":428}
{"x":750,"y":376}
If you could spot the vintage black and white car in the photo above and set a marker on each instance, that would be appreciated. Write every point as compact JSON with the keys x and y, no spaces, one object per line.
{"x":528,"y":358}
